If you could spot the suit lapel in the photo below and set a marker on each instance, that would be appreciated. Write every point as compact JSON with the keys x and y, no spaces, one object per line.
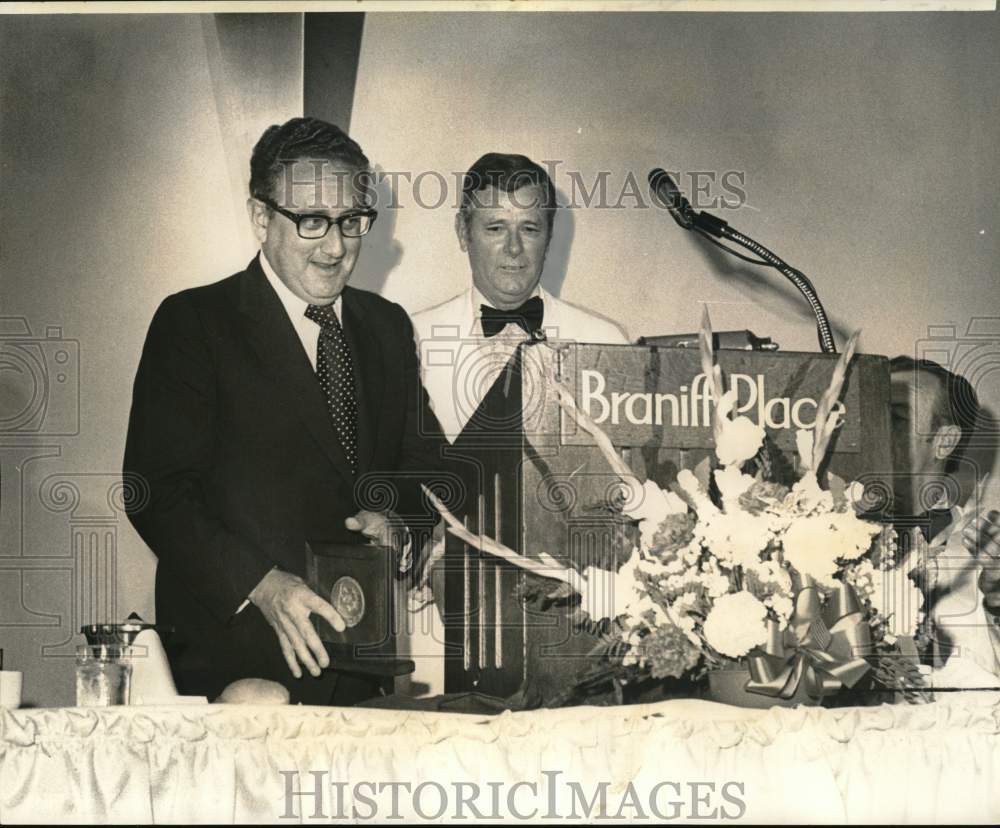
{"x":270,"y":333}
{"x":466,"y":312}
{"x":369,"y":375}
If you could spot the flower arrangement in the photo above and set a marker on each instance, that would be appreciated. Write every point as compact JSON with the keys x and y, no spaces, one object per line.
{"x":733,"y":568}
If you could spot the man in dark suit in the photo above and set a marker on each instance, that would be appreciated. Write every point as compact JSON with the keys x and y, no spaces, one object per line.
{"x":262,"y":407}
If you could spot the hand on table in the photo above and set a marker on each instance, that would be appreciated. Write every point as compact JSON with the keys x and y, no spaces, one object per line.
{"x":286,"y":601}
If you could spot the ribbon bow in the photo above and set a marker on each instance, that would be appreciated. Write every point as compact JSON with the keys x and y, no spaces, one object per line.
{"x":821,"y":646}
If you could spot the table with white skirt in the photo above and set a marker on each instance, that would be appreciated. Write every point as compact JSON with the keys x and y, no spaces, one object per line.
{"x":679,"y":760}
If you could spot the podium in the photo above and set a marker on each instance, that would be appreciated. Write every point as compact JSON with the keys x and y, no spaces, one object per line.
{"x":536,"y":482}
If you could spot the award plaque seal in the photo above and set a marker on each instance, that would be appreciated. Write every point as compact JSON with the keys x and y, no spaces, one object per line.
{"x":348,"y":598}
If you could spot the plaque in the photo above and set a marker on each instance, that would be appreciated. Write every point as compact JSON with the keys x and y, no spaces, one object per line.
{"x":348,"y":598}
{"x":358,"y":581}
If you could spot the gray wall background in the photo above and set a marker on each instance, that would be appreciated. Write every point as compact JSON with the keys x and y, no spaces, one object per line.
{"x":868,"y":144}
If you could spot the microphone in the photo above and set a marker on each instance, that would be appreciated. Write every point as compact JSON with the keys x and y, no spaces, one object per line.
{"x":669,"y":196}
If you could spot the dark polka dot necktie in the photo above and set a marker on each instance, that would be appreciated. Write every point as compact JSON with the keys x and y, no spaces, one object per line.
{"x":335,"y":371}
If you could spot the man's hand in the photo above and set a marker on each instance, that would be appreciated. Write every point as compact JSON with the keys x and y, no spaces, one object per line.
{"x":384,"y":528}
{"x":982,"y":538}
{"x":287,"y":602}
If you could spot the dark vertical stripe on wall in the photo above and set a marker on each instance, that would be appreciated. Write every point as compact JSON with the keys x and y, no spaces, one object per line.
{"x":332,"y":47}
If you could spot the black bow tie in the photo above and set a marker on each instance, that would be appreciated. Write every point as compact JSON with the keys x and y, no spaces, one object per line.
{"x":528,"y":316}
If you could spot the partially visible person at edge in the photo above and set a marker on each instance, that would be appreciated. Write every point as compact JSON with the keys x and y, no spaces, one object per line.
{"x":934,"y":413}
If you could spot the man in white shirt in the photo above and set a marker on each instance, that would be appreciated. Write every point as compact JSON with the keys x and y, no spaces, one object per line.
{"x":934,"y":412}
{"x":504,"y":224}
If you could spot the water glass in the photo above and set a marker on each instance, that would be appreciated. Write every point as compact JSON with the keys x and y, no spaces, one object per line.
{"x":103,"y":675}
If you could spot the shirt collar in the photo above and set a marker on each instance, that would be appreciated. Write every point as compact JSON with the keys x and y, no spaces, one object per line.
{"x":294,"y":306}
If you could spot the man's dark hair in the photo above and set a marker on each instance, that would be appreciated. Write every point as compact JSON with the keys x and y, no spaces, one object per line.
{"x":508,"y":173}
{"x":956,"y":404}
{"x":303,"y":139}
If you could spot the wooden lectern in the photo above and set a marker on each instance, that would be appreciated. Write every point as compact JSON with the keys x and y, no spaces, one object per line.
{"x":537,"y":483}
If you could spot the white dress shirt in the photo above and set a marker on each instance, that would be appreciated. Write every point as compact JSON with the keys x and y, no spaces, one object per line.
{"x":958,"y":614}
{"x":307,"y":330}
{"x":459,"y":364}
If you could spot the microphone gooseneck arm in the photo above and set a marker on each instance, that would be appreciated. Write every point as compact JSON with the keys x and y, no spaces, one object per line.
{"x":712,"y":228}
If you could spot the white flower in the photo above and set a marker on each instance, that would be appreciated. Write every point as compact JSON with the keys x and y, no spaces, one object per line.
{"x":815,"y":543}
{"x":772,"y":575}
{"x":732,"y":483}
{"x":861,"y":576}
{"x":607,"y":594}
{"x":735,"y":624}
{"x":739,"y":440}
{"x":680,"y":582}
{"x":650,"y":505}
{"x":774,"y":587}
{"x":692,"y":552}
{"x":692,"y":488}
{"x":897,"y":599}
{"x":806,"y":496}
{"x":651,"y":565}
{"x":636,"y":612}
{"x":782,"y":605}
{"x":716,"y":584}
{"x":735,"y":538}
{"x":726,"y":404}
{"x":686,"y":600}
{"x":675,"y":565}
{"x":808,"y":546}
{"x":854,"y":535}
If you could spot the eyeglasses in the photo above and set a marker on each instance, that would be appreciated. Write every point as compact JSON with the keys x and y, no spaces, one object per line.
{"x":316,"y":225}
